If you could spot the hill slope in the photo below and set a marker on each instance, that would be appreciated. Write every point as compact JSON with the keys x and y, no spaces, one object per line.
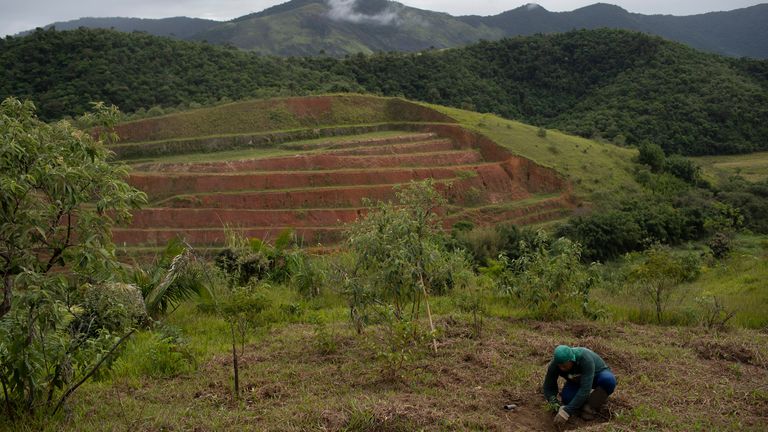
{"x":176,"y":27}
{"x":308,"y":164}
{"x":617,"y":85}
{"x":309,"y":27}
{"x":738,"y":33}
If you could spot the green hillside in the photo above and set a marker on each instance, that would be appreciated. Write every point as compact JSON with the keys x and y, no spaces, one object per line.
{"x":311,"y":27}
{"x":608,"y":84}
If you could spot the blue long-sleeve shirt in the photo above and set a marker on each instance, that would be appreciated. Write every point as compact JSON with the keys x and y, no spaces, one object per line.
{"x":586,"y":366}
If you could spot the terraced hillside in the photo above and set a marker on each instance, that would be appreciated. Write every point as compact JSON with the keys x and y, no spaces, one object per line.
{"x":242,"y":173}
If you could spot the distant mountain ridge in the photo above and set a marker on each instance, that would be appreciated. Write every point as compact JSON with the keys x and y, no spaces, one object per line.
{"x":335,"y":27}
{"x":178,"y":27}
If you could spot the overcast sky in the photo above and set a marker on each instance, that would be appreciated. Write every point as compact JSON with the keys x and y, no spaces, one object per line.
{"x":19,"y":15}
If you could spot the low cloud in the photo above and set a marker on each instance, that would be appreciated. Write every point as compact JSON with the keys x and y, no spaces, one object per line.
{"x":346,"y":10}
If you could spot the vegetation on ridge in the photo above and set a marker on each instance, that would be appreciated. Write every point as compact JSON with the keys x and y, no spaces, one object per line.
{"x":617,"y":85}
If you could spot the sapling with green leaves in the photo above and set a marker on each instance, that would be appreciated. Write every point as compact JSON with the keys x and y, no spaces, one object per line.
{"x":243,"y":301}
{"x":394,"y":247}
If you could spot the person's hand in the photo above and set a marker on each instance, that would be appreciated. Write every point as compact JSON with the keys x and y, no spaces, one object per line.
{"x":562,"y":417}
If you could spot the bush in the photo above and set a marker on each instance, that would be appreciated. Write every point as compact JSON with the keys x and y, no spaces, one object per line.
{"x":720,"y":245}
{"x":325,"y":340}
{"x":657,"y":273}
{"x":549,"y":279}
{"x":604,"y":235}
{"x":652,"y":155}
{"x":156,"y":355}
{"x":486,"y":243}
{"x":683,"y":168}
{"x":113,"y":306}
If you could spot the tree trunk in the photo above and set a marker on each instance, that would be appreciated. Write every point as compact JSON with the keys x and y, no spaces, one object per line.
{"x":429,"y":314}
{"x":234,"y":364}
{"x":5,"y":307}
{"x":658,"y":305}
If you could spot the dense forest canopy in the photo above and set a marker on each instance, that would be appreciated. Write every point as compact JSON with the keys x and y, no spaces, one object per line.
{"x":617,"y":85}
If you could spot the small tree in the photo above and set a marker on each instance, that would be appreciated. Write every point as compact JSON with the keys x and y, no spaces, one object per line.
{"x":396,"y":248}
{"x":243,"y":302}
{"x":548,"y":278}
{"x":652,"y":155}
{"x":659,"y":272}
{"x":59,"y":196}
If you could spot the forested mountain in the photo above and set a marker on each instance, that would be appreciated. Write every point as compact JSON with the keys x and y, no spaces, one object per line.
{"x":177,"y":27}
{"x":622,"y":86}
{"x":738,"y":33}
{"x":311,"y":27}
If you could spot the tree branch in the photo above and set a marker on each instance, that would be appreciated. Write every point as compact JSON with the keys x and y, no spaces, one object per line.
{"x":7,"y":399}
{"x":92,"y":371}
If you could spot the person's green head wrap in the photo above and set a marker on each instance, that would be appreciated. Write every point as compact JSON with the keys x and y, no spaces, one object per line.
{"x":564,"y":354}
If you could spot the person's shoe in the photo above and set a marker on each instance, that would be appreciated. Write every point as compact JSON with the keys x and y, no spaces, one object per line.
{"x":595,"y":402}
{"x":587,"y":413}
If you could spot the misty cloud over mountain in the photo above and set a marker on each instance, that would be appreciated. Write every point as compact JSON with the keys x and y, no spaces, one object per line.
{"x":379,"y":12}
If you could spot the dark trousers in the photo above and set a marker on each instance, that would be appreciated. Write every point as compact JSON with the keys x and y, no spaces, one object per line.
{"x":605,"y":380}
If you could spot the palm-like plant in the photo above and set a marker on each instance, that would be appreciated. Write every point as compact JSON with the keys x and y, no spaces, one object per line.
{"x":175,"y":276}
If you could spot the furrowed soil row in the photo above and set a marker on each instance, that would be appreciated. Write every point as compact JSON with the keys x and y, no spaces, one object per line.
{"x":458,"y":190}
{"x":353,"y":143}
{"x":189,"y":218}
{"x":217,"y":236}
{"x":302,"y":162}
{"x":158,"y":186}
{"x":434,"y":146}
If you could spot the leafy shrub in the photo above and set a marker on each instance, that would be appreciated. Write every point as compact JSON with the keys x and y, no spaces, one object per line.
{"x":154,"y":354}
{"x":683,"y":168}
{"x":657,"y":272}
{"x":651,"y":155}
{"x":307,"y":275}
{"x":471,"y":301}
{"x":175,"y":275}
{"x":400,"y":345}
{"x":486,"y":243}
{"x":549,"y":279}
{"x":113,"y":306}
{"x":325,"y":340}
{"x":720,"y":245}
{"x":604,"y":235}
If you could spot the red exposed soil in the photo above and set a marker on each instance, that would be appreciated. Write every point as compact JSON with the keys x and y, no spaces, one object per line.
{"x":418,"y":147}
{"x":313,"y":107}
{"x":324,"y":162}
{"x":217,"y":236}
{"x":161,"y":186}
{"x":191,"y":218}
{"x":293,"y":199}
{"x":317,"y":193}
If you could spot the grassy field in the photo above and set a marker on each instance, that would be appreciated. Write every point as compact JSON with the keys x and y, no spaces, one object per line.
{"x":314,"y":373}
{"x":740,"y":282}
{"x":592,"y":167}
{"x":753,"y":167}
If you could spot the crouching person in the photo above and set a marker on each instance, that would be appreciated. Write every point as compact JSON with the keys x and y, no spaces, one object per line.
{"x":588,"y":382}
